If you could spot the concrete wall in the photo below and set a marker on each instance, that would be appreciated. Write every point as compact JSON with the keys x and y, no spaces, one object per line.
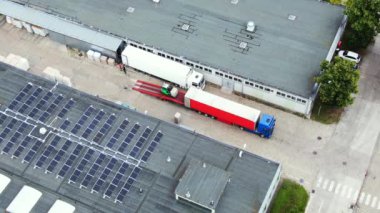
{"x":272,"y":189}
{"x":81,"y":45}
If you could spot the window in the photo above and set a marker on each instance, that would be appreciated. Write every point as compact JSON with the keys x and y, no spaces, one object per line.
{"x":160,"y":54}
{"x":230,"y":77}
{"x":208,"y":70}
{"x":247,"y":83}
{"x":178,"y":60}
{"x":190,"y":64}
{"x":133,"y":45}
{"x":149,"y":50}
{"x":267,"y":89}
{"x":251,"y":84}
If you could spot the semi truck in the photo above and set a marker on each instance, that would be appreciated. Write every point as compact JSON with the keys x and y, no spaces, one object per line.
{"x":182,"y":75}
{"x":222,"y":109}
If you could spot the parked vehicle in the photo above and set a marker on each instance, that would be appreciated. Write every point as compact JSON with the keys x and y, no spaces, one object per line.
{"x":349,"y":55}
{"x":166,"y":69}
{"x":219,"y":108}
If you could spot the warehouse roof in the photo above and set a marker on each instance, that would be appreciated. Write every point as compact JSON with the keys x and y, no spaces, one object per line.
{"x":292,"y":36}
{"x":95,"y":154}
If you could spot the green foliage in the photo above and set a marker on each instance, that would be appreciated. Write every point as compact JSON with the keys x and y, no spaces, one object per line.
{"x":291,"y":198}
{"x":339,"y":81}
{"x":363,"y":20}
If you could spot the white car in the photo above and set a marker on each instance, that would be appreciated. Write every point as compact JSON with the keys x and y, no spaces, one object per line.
{"x":348,"y":55}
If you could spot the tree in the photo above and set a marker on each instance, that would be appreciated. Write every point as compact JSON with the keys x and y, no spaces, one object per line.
{"x":339,"y":80}
{"x":363,"y":20}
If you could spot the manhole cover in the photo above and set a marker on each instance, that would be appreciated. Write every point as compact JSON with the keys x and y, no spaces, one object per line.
{"x":315,"y":152}
{"x":319,"y":138}
{"x":344,"y":163}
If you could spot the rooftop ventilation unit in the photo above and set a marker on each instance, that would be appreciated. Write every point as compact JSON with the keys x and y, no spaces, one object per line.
{"x":292,"y":17}
{"x":243,"y":45}
{"x":130,"y":9}
{"x":234,"y":1}
{"x":185,"y":27}
{"x":251,"y":27}
{"x":156,"y":1}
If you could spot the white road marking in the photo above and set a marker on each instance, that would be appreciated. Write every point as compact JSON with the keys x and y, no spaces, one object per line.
{"x":331,"y":186}
{"x":343,"y":192}
{"x":368,"y":199}
{"x":319,"y":182}
{"x":337,"y":188}
{"x":361,"y":199}
{"x":349,"y":193}
{"x":378,"y":206}
{"x":320,"y":207}
{"x":325,"y":184}
{"x":374,"y":200}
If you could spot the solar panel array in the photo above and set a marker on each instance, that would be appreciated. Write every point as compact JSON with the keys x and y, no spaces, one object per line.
{"x":35,"y":102}
{"x":96,"y":168}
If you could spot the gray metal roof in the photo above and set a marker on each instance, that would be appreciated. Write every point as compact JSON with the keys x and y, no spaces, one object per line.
{"x":54,"y":163}
{"x":281,"y":53}
{"x":202,"y":184}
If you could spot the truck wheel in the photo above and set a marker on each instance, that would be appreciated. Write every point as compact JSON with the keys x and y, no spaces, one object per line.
{"x":262,"y":135}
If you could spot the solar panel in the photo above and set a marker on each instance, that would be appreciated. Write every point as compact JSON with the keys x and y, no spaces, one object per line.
{"x":2,"y":118}
{"x":94,"y":168}
{"x":66,"y":146}
{"x":66,"y":108}
{"x":28,"y":157}
{"x":99,"y":183}
{"x":70,"y":161}
{"x":65,"y":124}
{"x":124,"y":124}
{"x":116,"y":180}
{"x":78,"y":171}
{"x":7,"y":147}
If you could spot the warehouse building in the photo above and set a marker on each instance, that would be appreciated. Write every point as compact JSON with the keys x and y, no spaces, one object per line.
{"x":64,"y":149}
{"x":275,"y":60}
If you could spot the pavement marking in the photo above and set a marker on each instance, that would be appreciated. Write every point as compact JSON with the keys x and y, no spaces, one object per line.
{"x":325,"y":184}
{"x":320,"y":206}
{"x":368,"y":199}
{"x":331,"y":186}
{"x":378,"y":206}
{"x":343,"y":192}
{"x":374,"y":200}
{"x":319,"y":182}
{"x":337,"y":188}
{"x":349,"y":193}
{"x":361,"y":199}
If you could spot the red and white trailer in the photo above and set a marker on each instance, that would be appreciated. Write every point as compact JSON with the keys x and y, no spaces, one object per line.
{"x":222,"y":109}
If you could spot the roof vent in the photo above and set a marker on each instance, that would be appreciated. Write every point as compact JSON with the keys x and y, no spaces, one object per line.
{"x":204,"y":165}
{"x":168,"y":159}
{"x":187,"y":194}
{"x":43,"y":130}
{"x":243,"y":45}
{"x":234,"y":1}
{"x":130,"y":9}
{"x":156,"y":1}
{"x":251,"y":27}
{"x":185,"y":27}
{"x":212,"y":203}
{"x":292,"y":17}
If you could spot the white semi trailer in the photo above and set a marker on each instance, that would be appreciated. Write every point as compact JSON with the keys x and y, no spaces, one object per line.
{"x":166,"y":69}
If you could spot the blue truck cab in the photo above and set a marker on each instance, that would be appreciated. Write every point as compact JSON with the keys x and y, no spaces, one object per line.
{"x":265,"y":126}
